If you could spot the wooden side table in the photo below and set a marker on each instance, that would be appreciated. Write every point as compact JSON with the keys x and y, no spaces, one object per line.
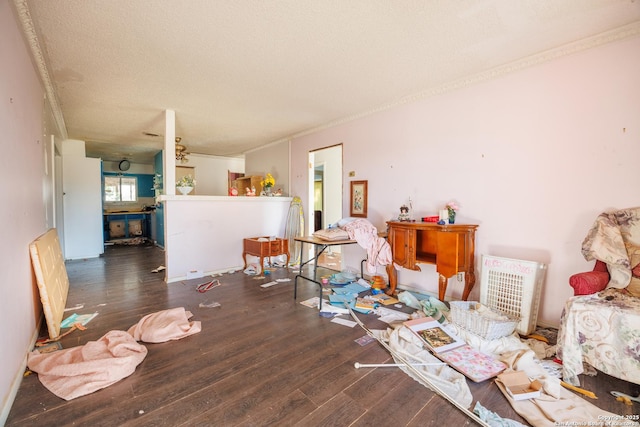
{"x":264,"y":247}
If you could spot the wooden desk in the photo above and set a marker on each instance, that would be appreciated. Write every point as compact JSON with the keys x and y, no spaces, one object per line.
{"x":450,"y":247}
{"x":258,"y":246}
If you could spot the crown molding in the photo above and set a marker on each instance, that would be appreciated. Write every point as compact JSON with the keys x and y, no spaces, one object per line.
{"x":610,"y":36}
{"x":619,"y":33}
{"x":38,"y":56}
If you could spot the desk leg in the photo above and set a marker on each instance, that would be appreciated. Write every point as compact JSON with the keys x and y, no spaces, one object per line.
{"x":315,"y":269}
{"x":315,"y":263}
{"x":295,"y":281}
{"x":300,"y":261}
{"x":469,"y":282}
{"x":295,"y":288}
{"x":442,"y":287}
{"x":392,"y":273}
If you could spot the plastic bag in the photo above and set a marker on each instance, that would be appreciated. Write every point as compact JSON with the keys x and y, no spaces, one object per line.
{"x":409,"y":299}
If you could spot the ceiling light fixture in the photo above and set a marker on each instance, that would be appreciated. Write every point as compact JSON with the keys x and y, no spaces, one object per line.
{"x":181,"y":153}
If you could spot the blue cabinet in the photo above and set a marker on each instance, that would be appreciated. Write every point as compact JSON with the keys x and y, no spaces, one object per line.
{"x":125,"y":225}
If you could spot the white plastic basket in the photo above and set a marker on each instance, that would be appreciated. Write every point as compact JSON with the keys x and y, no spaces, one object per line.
{"x":513,"y":286}
{"x":484,"y":321}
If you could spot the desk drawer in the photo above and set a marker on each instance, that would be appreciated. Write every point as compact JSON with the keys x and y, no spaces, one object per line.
{"x":276,"y":246}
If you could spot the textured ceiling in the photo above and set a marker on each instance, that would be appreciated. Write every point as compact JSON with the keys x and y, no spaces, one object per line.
{"x":244,"y":73}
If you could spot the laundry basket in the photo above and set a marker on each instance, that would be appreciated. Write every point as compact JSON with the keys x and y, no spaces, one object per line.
{"x":481,"y":320}
{"x":513,"y":286}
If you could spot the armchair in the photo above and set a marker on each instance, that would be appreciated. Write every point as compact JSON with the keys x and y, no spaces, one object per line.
{"x":613,"y":240}
{"x":600,"y":324}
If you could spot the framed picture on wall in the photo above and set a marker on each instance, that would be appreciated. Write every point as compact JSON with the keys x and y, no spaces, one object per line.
{"x":358,"y":199}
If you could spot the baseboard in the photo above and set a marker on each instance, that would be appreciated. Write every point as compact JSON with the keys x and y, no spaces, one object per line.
{"x":547,"y":325}
{"x":17,"y":380}
{"x":211,"y":273}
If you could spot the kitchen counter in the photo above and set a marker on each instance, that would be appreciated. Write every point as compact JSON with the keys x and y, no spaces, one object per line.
{"x":127,"y":213}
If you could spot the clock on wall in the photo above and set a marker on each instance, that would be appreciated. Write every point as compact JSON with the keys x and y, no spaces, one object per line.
{"x":124,"y":165}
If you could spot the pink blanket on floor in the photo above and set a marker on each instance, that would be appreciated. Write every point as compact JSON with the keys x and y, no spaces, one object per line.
{"x":77,"y":371}
{"x":166,"y":325}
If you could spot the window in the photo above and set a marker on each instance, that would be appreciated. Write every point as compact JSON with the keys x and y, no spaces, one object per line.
{"x":120,"y":189}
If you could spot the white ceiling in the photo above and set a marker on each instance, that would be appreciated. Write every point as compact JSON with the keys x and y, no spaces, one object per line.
{"x":244,"y":73}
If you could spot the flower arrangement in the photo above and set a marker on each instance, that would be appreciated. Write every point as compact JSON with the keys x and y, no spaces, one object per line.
{"x":268,"y":181}
{"x":452,"y":207}
{"x":186,"y":181}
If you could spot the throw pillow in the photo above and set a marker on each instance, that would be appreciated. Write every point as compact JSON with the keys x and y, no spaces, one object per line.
{"x":589,"y":282}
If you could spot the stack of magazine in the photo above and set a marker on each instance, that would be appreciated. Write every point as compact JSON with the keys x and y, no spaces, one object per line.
{"x":449,"y":348}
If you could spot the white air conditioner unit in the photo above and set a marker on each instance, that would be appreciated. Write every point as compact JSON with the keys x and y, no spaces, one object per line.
{"x":513,"y":286}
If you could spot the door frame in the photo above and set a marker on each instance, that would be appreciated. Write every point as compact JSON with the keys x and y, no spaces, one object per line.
{"x":331,"y":158}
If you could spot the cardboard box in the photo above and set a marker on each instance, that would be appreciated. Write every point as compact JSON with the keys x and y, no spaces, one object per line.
{"x":116,"y":229}
{"x":519,"y":386}
{"x":135,"y":227}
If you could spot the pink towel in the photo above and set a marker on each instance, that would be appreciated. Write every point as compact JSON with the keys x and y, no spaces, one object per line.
{"x":162,"y":326}
{"x":77,"y":371}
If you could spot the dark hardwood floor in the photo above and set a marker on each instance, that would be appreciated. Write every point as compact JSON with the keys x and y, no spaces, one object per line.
{"x":261,"y":359}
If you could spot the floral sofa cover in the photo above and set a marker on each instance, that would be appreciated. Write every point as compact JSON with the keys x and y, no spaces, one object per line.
{"x":603,"y":328}
{"x":614,"y":239}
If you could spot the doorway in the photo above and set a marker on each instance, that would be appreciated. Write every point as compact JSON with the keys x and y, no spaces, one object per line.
{"x":325,"y":200}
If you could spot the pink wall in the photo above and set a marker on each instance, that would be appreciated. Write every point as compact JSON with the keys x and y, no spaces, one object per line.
{"x":532,"y":157}
{"x":22,"y":213}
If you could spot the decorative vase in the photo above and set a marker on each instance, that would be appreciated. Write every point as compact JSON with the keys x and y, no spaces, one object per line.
{"x":185,"y":190}
{"x":452,"y":216}
{"x":267,"y":191}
